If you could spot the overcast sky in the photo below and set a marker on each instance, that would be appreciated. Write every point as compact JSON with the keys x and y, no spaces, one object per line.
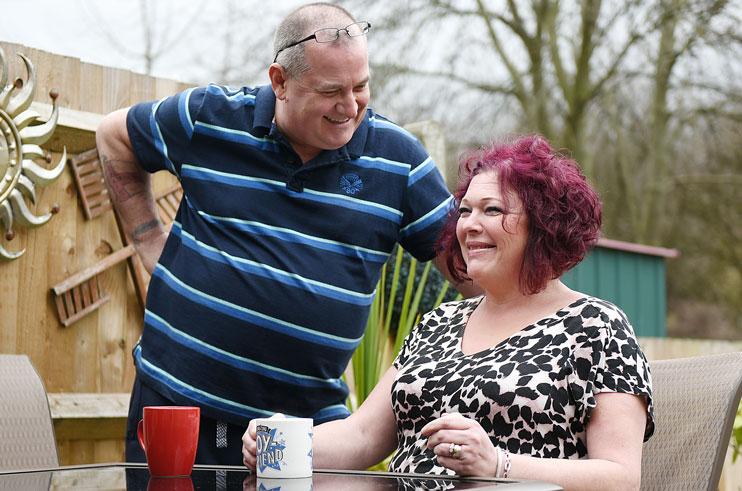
{"x":82,"y":28}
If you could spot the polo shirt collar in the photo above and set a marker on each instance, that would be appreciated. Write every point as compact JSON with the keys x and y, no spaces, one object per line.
{"x":358,"y":142}
{"x":265,"y":108}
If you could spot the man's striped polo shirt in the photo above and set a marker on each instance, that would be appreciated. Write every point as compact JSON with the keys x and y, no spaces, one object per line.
{"x":264,"y":286}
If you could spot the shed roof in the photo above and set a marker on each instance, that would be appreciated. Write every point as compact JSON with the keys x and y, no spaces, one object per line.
{"x":637,"y":248}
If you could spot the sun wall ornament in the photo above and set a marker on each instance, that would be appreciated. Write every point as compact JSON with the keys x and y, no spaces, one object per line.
{"x":21,"y":133}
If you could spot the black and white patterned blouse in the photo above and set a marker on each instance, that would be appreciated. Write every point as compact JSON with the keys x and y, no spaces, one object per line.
{"x":533,"y":393}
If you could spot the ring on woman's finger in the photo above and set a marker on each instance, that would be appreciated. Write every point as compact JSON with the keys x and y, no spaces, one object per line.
{"x":454,"y":451}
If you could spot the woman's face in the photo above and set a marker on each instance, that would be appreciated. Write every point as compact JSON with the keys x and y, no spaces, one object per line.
{"x":492,"y":237}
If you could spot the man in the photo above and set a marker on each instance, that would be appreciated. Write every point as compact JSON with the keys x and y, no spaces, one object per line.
{"x":294,"y":196}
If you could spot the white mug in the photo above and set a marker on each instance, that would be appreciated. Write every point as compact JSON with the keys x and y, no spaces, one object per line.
{"x":284,"y":447}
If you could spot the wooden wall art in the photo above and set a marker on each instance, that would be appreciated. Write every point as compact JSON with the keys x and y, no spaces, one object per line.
{"x":20,"y":137}
{"x":83,"y":292}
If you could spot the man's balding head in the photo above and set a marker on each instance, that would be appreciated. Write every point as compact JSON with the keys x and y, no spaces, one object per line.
{"x":300,"y":23}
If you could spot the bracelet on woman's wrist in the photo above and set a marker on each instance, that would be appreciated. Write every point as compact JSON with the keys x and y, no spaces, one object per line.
{"x":506,"y":465}
{"x":502,"y":469}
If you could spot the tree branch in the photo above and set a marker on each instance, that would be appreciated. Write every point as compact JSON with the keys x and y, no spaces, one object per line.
{"x":519,"y":91}
{"x":613,"y":68}
{"x":405,"y":70}
{"x":556,"y":58}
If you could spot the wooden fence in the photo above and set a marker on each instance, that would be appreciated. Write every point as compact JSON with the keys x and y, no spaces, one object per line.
{"x":92,"y":355}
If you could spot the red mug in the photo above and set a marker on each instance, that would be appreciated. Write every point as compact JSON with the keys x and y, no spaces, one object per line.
{"x":169,"y":437}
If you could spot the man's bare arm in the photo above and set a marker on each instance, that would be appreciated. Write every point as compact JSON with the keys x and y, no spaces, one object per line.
{"x":130,"y":188}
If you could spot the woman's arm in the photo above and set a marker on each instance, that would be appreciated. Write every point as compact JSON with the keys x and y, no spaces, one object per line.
{"x":363,"y":439}
{"x":615,"y":435}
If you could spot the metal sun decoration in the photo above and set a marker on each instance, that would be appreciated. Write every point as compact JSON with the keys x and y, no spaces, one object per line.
{"x":19,"y":147}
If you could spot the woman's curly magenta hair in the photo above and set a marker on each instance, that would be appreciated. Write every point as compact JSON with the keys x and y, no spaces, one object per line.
{"x":563,"y":210}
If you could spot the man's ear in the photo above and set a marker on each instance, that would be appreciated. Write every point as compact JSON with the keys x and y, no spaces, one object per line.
{"x":278,"y":77}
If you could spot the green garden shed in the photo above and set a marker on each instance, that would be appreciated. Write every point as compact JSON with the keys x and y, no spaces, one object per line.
{"x":630,"y":275}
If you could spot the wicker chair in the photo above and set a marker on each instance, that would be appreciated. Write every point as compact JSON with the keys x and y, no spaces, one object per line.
{"x":26,"y":431}
{"x":695,"y":402}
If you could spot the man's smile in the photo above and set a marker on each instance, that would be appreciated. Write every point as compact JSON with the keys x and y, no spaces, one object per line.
{"x":336,"y":121}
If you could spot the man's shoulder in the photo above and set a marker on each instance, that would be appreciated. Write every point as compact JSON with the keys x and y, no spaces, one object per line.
{"x":222,"y":105}
{"x":386,"y":128}
{"x":225,"y":94}
{"x":387,"y":139}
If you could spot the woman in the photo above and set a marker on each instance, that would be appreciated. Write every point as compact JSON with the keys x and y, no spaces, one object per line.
{"x":532,"y":380}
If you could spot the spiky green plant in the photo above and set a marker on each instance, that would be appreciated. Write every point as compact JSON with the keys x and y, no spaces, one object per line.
{"x":383,"y":340}
{"x":389,"y":322}
{"x":737,"y":435}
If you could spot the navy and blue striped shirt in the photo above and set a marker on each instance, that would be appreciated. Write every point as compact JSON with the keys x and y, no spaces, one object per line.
{"x":262,"y":291}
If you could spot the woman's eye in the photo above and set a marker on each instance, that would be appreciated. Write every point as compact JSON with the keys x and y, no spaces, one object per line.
{"x":493,"y":210}
{"x":463,"y":211}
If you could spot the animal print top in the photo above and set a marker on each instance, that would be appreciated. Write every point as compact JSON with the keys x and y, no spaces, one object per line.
{"x":533,"y":393}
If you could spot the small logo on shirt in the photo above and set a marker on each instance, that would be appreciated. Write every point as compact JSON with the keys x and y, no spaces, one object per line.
{"x":351,"y":184}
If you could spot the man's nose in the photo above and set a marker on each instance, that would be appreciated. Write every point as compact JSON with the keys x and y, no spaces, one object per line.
{"x":348,"y":105}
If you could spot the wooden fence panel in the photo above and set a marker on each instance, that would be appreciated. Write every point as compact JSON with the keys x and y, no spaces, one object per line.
{"x":93,"y":354}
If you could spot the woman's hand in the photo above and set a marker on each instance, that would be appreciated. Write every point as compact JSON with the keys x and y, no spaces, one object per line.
{"x":250,"y":445}
{"x":460,"y":444}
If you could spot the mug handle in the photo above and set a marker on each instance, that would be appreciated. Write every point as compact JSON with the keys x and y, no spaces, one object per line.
{"x":140,"y":435}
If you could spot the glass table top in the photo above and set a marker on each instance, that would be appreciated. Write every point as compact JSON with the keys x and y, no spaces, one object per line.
{"x":136,"y":477}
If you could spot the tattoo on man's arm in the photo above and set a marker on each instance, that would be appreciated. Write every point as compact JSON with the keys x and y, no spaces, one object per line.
{"x":118,"y":181}
{"x":142,"y":229}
